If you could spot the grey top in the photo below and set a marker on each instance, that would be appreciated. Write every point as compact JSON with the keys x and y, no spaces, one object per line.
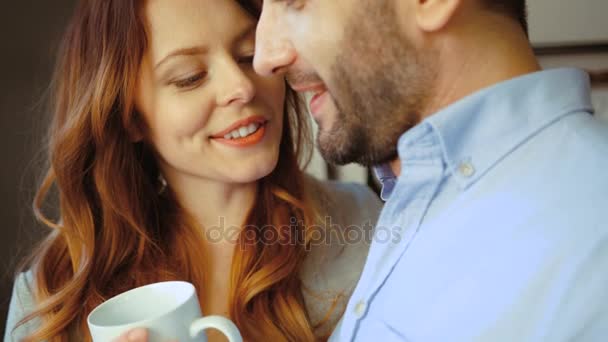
{"x":330,"y":272}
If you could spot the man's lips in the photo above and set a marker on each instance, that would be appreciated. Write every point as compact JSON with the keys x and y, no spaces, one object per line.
{"x":312,"y":87}
{"x":241,"y":123}
{"x":316,"y":103}
{"x":320,"y":94}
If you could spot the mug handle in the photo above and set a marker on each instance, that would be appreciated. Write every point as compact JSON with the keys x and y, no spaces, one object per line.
{"x":226,"y":326}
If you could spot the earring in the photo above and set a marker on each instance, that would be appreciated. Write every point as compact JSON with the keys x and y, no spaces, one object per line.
{"x":163,"y":183}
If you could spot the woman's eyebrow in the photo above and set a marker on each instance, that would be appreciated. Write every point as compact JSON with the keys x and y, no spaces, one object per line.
{"x":188,"y":51}
{"x":201,"y":50}
{"x":249,"y":29}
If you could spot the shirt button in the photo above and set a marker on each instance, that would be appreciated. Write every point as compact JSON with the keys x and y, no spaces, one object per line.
{"x":360,"y":309}
{"x":466,"y":169}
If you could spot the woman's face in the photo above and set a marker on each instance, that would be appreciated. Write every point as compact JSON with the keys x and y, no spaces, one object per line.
{"x":206,"y":112}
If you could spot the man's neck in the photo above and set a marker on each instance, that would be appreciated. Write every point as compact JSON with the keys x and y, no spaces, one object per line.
{"x":473,"y":60}
{"x":395,"y":165}
{"x":477,"y":61}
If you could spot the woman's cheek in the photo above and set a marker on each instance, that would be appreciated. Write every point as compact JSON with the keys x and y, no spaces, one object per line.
{"x":188,"y":115}
{"x":274,"y":91}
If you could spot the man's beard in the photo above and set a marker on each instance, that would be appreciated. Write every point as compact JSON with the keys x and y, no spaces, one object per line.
{"x":380,"y":84}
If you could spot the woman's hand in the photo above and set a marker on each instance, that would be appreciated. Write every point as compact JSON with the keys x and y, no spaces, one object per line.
{"x":135,"y":335}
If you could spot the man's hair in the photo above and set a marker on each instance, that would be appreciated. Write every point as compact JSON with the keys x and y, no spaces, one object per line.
{"x":515,"y":9}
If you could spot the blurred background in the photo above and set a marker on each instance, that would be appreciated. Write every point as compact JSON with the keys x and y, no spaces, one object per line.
{"x":564,"y":33}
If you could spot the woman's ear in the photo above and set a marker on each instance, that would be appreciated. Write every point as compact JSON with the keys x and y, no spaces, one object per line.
{"x":434,"y":15}
{"x":135,"y":128}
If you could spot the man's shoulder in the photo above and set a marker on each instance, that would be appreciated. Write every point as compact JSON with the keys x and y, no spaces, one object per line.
{"x":568,"y":155}
{"x":574,"y":154}
{"x":579,"y":132}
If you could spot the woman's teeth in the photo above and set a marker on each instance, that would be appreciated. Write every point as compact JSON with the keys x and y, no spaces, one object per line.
{"x":243,"y":131}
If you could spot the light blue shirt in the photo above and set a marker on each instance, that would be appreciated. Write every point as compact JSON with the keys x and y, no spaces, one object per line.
{"x":497,"y":228}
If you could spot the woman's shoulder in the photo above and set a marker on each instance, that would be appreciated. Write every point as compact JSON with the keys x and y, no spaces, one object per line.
{"x":339,"y":248}
{"x":22,"y":304}
{"x":353,"y":203}
{"x":349,"y":212}
{"x":348,"y":215}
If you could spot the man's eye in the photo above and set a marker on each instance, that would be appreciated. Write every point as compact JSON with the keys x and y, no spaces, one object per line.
{"x":190,"y":82}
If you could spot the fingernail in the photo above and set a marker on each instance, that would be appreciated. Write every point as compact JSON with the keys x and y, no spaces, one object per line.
{"x":137,"y":335}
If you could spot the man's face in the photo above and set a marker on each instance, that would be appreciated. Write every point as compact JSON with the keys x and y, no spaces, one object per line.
{"x":368,"y":79}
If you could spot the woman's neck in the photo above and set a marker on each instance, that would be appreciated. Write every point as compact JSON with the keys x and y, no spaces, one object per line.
{"x":219,"y":208}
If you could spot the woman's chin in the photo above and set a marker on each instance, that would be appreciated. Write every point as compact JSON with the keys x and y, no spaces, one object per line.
{"x":251,"y":173}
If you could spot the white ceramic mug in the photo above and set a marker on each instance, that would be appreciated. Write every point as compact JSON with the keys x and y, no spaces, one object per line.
{"x":169,"y":310}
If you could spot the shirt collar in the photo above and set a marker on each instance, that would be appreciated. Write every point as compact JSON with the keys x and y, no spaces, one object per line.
{"x":387,"y":179}
{"x":417,"y":144}
{"x":480,"y":129}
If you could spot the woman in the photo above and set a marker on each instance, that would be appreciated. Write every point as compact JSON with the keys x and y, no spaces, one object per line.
{"x":163,"y":136}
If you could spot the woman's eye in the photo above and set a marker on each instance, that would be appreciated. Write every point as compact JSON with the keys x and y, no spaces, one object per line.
{"x":294,"y":4}
{"x":246,"y":60}
{"x":190,"y":82}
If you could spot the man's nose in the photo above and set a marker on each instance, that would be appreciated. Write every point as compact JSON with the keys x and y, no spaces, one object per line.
{"x":274,"y":54}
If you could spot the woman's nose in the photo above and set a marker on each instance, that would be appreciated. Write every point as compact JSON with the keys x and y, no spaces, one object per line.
{"x":236,"y":85}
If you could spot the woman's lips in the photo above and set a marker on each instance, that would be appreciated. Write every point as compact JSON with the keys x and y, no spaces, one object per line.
{"x":258,"y":119}
{"x":247,"y":141}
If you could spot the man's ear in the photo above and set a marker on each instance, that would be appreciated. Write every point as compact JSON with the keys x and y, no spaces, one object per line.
{"x":433,"y":15}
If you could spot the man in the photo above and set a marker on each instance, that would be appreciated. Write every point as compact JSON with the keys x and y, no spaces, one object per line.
{"x":493,"y":171}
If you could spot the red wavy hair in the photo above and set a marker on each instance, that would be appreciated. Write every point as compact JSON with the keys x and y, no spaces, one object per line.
{"x":115,"y":230}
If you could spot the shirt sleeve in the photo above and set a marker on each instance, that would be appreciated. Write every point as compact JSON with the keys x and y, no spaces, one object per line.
{"x":22,"y":303}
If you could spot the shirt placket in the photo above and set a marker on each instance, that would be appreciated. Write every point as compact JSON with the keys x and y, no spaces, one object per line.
{"x":403,"y":214}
